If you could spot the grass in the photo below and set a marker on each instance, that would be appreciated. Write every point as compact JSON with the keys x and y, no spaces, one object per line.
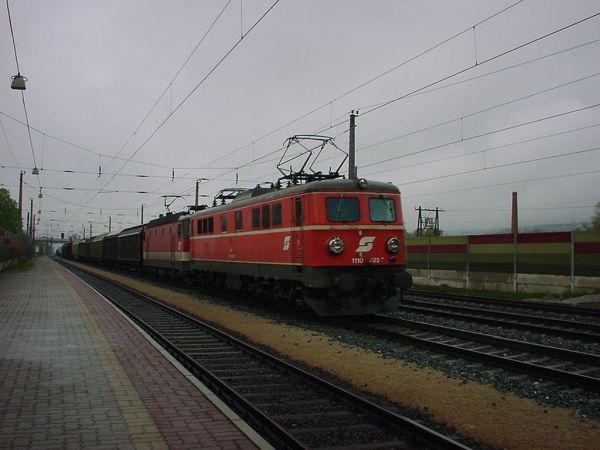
{"x":21,"y":266}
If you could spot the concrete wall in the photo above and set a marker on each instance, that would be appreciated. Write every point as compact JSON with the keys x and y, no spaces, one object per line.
{"x":556,"y":284}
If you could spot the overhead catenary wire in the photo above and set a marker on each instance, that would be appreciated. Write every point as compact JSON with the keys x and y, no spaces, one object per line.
{"x":191,"y":92}
{"x":248,"y":165}
{"x":499,"y":166}
{"x":508,"y":183}
{"x":331,"y":121}
{"x":196,"y":87}
{"x":184,"y":100}
{"x":487,"y":133}
{"x":488,"y":60}
{"x":330,"y":102}
{"x":170,"y":84}
{"x":488,"y":149}
{"x":12,"y":33}
{"x":8,"y":146}
{"x":168,"y":88}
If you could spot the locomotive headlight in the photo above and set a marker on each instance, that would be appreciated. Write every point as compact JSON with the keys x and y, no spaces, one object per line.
{"x":393,"y":245}
{"x":336,"y":245}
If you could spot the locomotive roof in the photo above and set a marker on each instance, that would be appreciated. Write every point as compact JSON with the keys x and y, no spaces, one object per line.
{"x":167,"y":218}
{"x":260,"y":193}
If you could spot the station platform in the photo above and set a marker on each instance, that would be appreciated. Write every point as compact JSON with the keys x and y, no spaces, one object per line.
{"x":76,"y":373}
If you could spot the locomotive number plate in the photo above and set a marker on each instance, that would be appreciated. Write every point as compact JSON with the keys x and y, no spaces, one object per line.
{"x":373,"y":260}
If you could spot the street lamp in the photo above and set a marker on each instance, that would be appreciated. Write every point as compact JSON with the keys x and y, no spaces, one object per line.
{"x":18,"y":82}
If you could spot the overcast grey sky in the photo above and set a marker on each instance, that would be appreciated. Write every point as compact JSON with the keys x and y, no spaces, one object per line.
{"x":524,"y":121}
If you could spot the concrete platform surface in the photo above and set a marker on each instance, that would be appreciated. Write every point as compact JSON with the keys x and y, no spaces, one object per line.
{"x":75,"y":373}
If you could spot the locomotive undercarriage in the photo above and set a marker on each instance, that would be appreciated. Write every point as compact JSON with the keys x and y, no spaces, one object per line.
{"x":328,"y":291}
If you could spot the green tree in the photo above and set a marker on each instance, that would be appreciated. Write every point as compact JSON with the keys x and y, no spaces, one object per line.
{"x":594,"y":225}
{"x":9,"y":212}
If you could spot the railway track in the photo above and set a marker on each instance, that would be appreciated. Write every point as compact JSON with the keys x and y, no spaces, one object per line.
{"x":563,"y":309}
{"x":529,"y":320}
{"x":573,"y":368}
{"x":289,"y":406}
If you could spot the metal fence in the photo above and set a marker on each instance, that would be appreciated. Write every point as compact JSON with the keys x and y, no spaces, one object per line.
{"x":564,"y":253}
{"x":13,"y":246}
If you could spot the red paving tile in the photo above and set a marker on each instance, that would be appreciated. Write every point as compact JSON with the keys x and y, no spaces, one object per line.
{"x":75,"y":373}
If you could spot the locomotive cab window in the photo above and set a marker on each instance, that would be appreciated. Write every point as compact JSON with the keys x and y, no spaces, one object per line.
{"x":224,"y":222}
{"x":342,"y":209}
{"x":382,"y":209}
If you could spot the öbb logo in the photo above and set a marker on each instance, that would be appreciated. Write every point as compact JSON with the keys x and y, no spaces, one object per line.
{"x":365,"y":244}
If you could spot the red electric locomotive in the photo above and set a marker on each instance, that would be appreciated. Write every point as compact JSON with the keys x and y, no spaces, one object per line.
{"x":337,"y":245}
{"x":165,"y":245}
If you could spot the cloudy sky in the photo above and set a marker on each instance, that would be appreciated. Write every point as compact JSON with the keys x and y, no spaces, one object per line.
{"x":460,"y":103}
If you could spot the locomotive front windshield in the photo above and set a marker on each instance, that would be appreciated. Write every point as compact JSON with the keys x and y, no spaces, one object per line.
{"x":382,"y":209}
{"x":342,"y":209}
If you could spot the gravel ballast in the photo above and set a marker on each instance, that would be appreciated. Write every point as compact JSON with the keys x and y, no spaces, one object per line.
{"x":474,"y":409}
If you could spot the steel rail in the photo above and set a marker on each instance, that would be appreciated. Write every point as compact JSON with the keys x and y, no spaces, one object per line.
{"x":526,"y":323}
{"x":245,"y":408}
{"x":546,"y":372}
{"x":554,"y":307}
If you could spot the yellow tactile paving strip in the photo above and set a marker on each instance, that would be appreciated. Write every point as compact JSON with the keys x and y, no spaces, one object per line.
{"x":141,"y":426}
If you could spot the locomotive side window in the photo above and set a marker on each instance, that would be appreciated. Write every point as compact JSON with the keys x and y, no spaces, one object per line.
{"x":298,"y":208}
{"x":224,"y":222}
{"x":211,"y":224}
{"x":382,"y":209}
{"x":255,"y":217}
{"x":342,"y":209}
{"x":186,"y":229}
{"x":266,"y":216}
{"x":199,"y":226}
{"x":238,"y":220}
{"x":276,"y":214}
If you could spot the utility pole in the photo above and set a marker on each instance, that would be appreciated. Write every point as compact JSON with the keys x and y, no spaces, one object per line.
{"x":31,"y":218}
{"x":142,"y":222}
{"x":515,"y":232}
{"x":90,"y":229}
{"x":514,"y":225}
{"x":21,"y":201}
{"x":351,"y":147}
{"x":109,"y":223}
